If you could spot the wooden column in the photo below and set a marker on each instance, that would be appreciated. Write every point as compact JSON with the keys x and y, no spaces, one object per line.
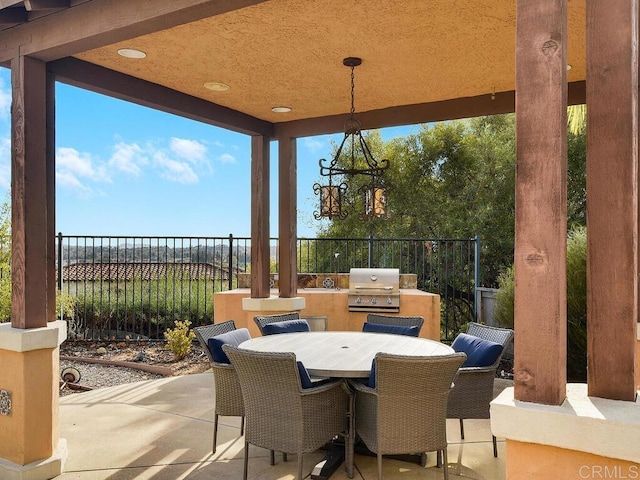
{"x":29,"y":135}
{"x":260,"y":217}
{"x":541,"y":201}
{"x":51,"y":197}
{"x":287,"y":217}
{"x":612,"y":197}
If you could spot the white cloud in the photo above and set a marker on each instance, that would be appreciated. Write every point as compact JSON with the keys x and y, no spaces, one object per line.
{"x":68,"y":180}
{"x":227,"y":158}
{"x":180,"y":161}
{"x":174,"y":170}
{"x":74,"y":169}
{"x":128,"y":158}
{"x":190,"y":150}
{"x":5,"y":101}
{"x":313,"y":144}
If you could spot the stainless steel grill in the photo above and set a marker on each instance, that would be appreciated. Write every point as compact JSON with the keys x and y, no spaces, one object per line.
{"x":374,"y":290}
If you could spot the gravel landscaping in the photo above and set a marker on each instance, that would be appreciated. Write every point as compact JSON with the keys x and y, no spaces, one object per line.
{"x":114,"y":359}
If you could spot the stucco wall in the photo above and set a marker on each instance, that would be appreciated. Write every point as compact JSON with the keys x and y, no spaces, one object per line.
{"x":333,"y":305}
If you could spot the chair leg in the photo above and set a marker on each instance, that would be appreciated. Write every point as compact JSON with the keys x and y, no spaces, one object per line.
{"x":299,"y":465}
{"x":379,"y":466}
{"x":215,"y":432}
{"x":272,"y":457}
{"x":461,"y":429}
{"x":242,"y":427}
{"x":438,"y":459}
{"x":246,"y":459}
{"x":423,"y":459}
{"x":445,"y":463}
{"x":284,"y":456}
{"x":495,"y":447}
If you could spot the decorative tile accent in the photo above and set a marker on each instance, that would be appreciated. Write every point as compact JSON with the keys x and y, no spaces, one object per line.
{"x":328,"y":283}
{"x":5,"y":402}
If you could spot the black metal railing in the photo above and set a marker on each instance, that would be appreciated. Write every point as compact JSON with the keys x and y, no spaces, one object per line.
{"x":136,"y":287}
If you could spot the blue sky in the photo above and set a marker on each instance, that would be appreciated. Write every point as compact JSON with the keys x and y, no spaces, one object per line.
{"x":123,"y":169}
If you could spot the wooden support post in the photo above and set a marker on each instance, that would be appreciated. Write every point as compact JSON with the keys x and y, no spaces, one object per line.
{"x":260,"y":217}
{"x":51,"y":197}
{"x":287,"y":217}
{"x":541,"y":204}
{"x":29,"y":136}
{"x":612,"y":196}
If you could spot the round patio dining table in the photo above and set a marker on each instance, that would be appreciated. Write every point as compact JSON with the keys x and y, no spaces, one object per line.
{"x":344,"y":355}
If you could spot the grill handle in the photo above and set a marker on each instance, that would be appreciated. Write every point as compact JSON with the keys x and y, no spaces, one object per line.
{"x":366,"y":287}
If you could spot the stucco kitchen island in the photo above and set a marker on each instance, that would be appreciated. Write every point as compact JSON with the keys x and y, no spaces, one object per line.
{"x":331,"y":303}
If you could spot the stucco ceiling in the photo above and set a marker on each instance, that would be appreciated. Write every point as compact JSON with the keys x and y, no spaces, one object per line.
{"x":289,"y":53}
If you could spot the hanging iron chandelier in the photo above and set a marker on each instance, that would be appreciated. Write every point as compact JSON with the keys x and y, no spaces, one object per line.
{"x":357,"y":159}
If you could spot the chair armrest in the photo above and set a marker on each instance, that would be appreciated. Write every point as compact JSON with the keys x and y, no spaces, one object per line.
{"x":326,"y":386}
{"x":471,"y":393}
{"x":465,"y":370}
{"x":362,"y":387}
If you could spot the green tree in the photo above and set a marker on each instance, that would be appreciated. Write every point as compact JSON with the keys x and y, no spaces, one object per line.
{"x":576,"y":303}
{"x":65,"y":304}
{"x":456,"y":180}
{"x":5,"y":262}
{"x":452,"y":179}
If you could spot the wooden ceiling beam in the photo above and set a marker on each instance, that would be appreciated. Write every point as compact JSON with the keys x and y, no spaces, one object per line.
{"x":12,"y":16}
{"x":8,"y":3}
{"x":95,"y":24}
{"x":504,"y":102}
{"x":125,"y":87}
{"x":34,"y":5}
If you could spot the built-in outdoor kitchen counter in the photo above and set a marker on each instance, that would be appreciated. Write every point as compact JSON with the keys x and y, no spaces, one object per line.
{"x":329,"y":301}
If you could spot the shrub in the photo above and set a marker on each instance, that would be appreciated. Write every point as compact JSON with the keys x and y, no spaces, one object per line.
{"x":576,"y":303}
{"x":179,"y":339}
{"x":503,"y":312}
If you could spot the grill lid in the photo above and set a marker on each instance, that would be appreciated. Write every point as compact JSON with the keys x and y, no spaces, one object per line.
{"x":374,"y":280}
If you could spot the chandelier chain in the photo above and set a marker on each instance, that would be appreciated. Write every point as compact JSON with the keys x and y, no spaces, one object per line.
{"x":332,"y":194}
{"x":353,"y":108}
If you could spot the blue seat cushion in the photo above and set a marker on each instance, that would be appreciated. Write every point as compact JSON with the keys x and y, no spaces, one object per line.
{"x":288,"y":326}
{"x":234,"y":338}
{"x":480,"y":352}
{"x":372,"y":376}
{"x":305,"y":379}
{"x":411,"y":331}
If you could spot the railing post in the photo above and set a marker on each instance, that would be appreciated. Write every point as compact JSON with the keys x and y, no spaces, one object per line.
{"x":370,"y":251}
{"x":476,"y":279}
{"x":60,"y":261}
{"x":230,"y":261}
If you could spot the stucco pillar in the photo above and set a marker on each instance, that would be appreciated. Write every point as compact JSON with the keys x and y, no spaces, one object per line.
{"x":30,"y":444}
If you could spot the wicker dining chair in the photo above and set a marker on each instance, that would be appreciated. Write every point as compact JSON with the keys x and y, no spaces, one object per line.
{"x":281,"y":415}
{"x":227,"y":387}
{"x":262,"y":320}
{"x":395,"y":320}
{"x":473,"y":390}
{"x":406,"y":410}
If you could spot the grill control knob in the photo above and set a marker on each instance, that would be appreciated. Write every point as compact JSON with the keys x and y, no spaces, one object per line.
{"x":389,"y":301}
{"x":374,"y":301}
{"x":358,"y":300}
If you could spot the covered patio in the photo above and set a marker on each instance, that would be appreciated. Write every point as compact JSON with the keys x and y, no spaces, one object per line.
{"x":161,"y":430}
{"x":236,"y":63}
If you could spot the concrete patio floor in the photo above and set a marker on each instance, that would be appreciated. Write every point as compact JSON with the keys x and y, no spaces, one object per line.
{"x":162,"y":430}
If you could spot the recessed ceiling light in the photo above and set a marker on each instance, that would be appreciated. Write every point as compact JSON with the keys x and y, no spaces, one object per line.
{"x":281,"y":109}
{"x":131,"y":53}
{"x":217,"y":86}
